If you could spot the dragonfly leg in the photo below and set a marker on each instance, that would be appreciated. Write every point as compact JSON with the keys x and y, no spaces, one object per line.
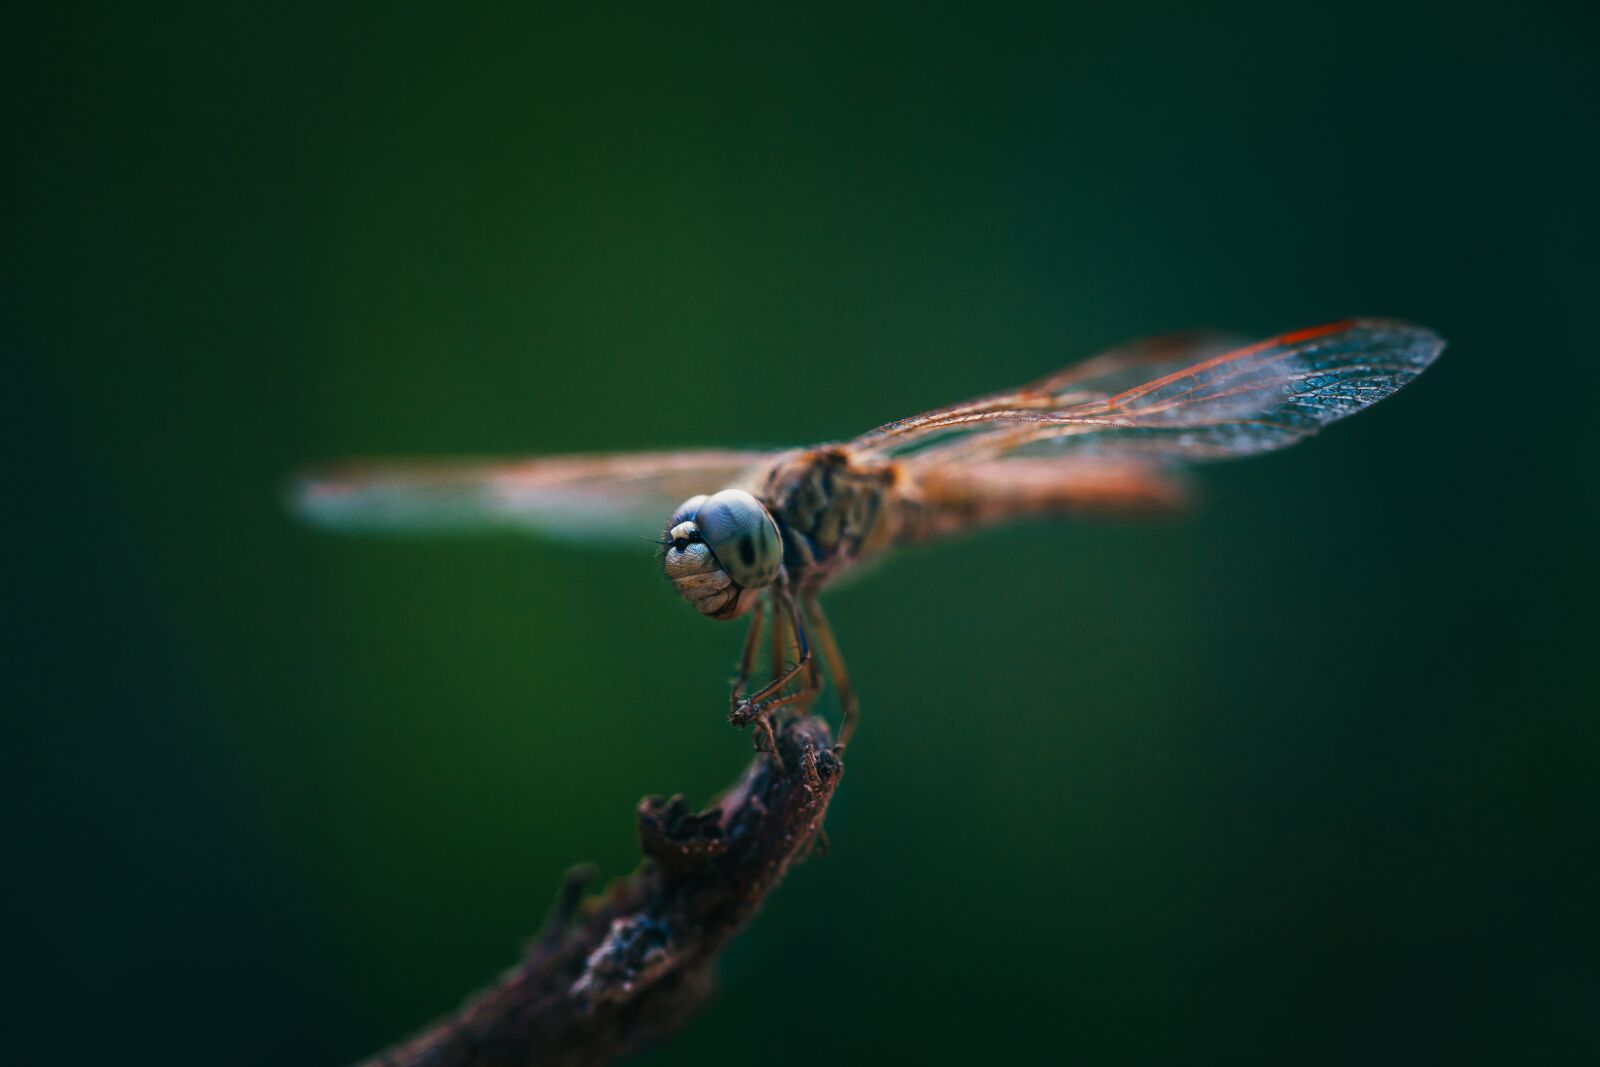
{"x":785,"y":615}
{"x":811,"y":683}
{"x":747,"y":666}
{"x":747,"y":658}
{"x":841,"y":677}
{"x":767,"y":740}
{"x":779,"y":652}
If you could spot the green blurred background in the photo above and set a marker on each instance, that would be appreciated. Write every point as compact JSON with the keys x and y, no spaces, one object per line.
{"x":1306,"y":777}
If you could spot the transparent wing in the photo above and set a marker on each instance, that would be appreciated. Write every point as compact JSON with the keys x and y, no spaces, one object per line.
{"x":956,"y":498}
{"x":1131,"y":364}
{"x":618,"y":496}
{"x":1239,"y":402}
{"x":1098,"y":377}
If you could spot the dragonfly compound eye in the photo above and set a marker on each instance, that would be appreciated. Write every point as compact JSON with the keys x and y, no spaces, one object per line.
{"x":685,"y":513}
{"x":742,"y":536}
{"x":720,"y":551}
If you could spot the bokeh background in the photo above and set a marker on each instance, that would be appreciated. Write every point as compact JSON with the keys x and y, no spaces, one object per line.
{"x":1307,"y":777}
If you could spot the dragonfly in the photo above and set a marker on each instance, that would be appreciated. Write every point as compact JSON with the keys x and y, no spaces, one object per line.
{"x":761,"y":533}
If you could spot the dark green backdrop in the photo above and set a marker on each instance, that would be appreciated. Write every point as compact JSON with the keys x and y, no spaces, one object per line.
{"x":1304,"y":778}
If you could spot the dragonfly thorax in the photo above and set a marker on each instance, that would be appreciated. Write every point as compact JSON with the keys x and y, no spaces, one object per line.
{"x":721,"y":551}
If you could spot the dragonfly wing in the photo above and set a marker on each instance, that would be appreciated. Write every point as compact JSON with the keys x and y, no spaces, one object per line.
{"x":617,"y":496}
{"x":1255,"y":399}
{"x":1133,"y":363}
{"x":1248,"y":400}
{"x":1098,"y":377}
{"x":955,"y":498}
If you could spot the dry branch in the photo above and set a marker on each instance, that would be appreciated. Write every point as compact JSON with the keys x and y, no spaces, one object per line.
{"x":612,"y":973}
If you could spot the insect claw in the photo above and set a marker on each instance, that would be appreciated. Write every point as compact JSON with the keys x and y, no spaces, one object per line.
{"x":766,"y":734}
{"x":744,"y":713}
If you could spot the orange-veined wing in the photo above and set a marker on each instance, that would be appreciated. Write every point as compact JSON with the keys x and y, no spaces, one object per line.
{"x":1099,"y":376}
{"x":956,"y":498}
{"x":607,"y":496}
{"x":1246,"y":400}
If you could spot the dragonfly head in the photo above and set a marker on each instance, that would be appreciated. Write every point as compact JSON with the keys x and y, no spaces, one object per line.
{"x":721,"y":551}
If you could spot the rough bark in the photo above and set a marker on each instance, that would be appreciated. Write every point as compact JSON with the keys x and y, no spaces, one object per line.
{"x":613,"y":972}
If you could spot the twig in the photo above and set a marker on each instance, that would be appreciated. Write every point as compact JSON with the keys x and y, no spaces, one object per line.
{"x":612,"y":973}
